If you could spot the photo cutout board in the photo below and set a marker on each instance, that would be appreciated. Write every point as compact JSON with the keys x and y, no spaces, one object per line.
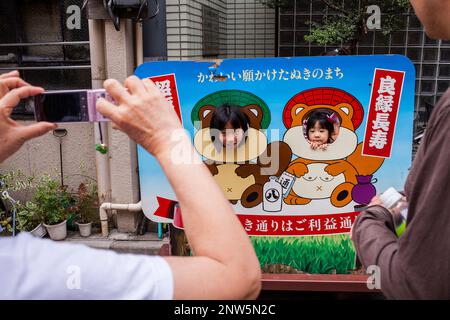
{"x":296,"y":194}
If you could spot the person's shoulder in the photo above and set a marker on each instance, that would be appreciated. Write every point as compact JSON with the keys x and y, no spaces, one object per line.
{"x":444,"y":101}
{"x":440,"y":111}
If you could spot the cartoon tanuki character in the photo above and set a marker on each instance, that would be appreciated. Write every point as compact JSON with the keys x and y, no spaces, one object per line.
{"x":330,"y":173}
{"x":240,"y":168}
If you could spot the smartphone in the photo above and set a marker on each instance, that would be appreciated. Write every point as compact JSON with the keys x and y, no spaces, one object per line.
{"x":68,"y":105}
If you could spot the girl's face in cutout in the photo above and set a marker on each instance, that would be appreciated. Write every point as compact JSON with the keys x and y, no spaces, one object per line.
{"x":230,"y":137}
{"x":318,"y":134}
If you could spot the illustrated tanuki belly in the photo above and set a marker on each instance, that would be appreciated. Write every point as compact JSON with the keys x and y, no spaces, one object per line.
{"x":317,"y":183}
{"x":232,"y":185}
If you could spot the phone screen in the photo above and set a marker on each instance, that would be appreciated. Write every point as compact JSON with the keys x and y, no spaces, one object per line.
{"x":61,"y":106}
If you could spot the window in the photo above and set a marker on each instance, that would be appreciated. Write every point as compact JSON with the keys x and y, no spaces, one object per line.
{"x":36,"y":40}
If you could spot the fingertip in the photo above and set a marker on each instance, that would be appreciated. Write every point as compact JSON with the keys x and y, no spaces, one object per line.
{"x":107,"y":83}
{"x":100,"y":102}
{"x":147,"y":81}
{"x":34,"y":90}
{"x":49,"y":125}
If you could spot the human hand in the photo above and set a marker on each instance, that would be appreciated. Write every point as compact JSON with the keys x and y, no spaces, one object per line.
{"x":376,"y":201}
{"x":143,"y":113}
{"x":323,"y":147}
{"x":12,"y":134}
{"x":314,"y":145}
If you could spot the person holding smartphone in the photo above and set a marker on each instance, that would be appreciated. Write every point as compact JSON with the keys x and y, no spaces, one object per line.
{"x":417,"y":264}
{"x":224,"y":266}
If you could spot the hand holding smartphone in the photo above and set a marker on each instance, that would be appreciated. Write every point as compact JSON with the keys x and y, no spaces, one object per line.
{"x":68,"y":105}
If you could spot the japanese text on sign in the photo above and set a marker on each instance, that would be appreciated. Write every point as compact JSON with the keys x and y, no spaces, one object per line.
{"x":168,"y":87}
{"x":251,"y":75}
{"x":383,"y":110}
{"x":297,"y":225}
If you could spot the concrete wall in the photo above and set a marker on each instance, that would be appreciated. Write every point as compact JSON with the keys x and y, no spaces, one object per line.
{"x":123,"y":152}
{"x":41,"y":155}
{"x":246,"y":29}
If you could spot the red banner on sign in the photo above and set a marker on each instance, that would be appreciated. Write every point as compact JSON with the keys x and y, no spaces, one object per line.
{"x":168,"y":86}
{"x":387,"y":88}
{"x":307,"y":225}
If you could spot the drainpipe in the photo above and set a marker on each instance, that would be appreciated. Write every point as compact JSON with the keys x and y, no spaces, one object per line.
{"x":97,"y":49}
{"x":98,"y":63}
{"x":139,"y":44}
{"x":132,"y":207}
{"x":98,"y":71}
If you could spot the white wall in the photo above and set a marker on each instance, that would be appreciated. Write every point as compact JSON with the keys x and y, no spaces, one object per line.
{"x":246,"y":29}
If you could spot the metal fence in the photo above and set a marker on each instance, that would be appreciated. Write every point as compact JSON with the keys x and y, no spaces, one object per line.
{"x":431,"y":58}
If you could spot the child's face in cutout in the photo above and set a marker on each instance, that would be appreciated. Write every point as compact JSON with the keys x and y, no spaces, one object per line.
{"x":318,"y":134}
{"x":230,"y":137}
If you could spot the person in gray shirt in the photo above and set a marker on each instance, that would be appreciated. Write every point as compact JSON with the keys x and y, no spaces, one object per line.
{"x":416,"y":265}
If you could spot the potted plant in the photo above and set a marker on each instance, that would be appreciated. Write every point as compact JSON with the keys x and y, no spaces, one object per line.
{"x":16,"y":183}
{"x":86,"y":208}
{"x":53,"y":202}
{"x":29,"y":219}
{"x":5,"y":223}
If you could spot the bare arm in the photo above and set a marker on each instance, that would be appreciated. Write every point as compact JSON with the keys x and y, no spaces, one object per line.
{"x":225,"y":265}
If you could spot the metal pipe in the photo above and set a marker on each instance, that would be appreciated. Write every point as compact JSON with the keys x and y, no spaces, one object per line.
{"x":98,"y":72}
{"x":35,"y":44}
{"x":132,"y":207}
{"x":139,"y":45}
{"x":46,"y":67}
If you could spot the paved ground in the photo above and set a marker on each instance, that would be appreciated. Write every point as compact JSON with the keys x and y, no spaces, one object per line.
{"x":121,"y":242}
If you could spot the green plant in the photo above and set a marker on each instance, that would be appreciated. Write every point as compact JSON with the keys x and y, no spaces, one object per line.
{"x":28,"y":216}
{"x":346,"y":24}
{"x":15,"y":181}
{"x":86,"y":203}
{"x":5,"y":222}
{"x":12,"y":182}
{"x":52,"y":200}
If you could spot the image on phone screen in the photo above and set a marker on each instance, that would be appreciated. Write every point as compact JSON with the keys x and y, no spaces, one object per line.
{"x":62,"y":106}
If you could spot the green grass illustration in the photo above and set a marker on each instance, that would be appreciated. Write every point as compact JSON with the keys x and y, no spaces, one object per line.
{"x":311,"y":254}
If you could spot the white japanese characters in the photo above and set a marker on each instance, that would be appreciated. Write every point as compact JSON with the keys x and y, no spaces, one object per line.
{"x":383,"y":108}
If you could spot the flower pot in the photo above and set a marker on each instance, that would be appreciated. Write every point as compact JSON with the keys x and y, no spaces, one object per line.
{"x":85,"y":229}
{"x":39,"y":231}
{"x":57,"y":231}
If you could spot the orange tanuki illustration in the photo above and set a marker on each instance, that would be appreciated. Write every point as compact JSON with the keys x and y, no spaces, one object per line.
{"x":330,"y":173}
